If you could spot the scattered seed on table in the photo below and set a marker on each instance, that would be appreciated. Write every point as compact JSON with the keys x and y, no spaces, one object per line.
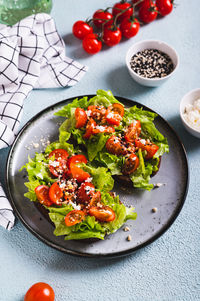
{"x":129,"y":237}
{"x":126,"y":229}
{"x":151,"y":63}
{"x":154,"y":210}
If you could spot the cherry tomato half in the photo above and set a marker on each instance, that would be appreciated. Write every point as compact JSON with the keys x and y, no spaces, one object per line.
{"x":129,"y":28}
{"x":149,"y":147}
{"x":164,"y":6}
{"x":58,"y":166}
{"x":80,"y":29}
{"x":101,"y":17}
{"x":89,"y":128}
{"x":114,"y":114}
{"x":91,"y":44}
{"x":112,"y":37}
{"x":102,"y":214}
{"x":55,"y":194}
{"x":42,"y":194}
{"x":74,"y":217}
{"x":77,"y":173}
{"x":131,"y":164}
{"x":81,"y":117}
{"x":115,"y":147}
{"x":40,"y":292}
{"x":96,"y":199}
{"x":86,"y":191}
{"x":148,"y":11}
{"x":97,"y":112}
{"x":133,"y":131}
{"x":119,"y":7}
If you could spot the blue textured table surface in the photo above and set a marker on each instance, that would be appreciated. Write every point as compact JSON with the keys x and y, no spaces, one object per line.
{"x":169,"y":268}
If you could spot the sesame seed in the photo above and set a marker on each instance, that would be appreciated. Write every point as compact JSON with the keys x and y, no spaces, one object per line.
{"x":154,"y":210}
{"x":129,"y":237}
{"x":126,"y":229}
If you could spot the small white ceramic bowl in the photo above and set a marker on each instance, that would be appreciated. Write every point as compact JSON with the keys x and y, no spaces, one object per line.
{"x":151,"y":44}
{"x":189,"y":98}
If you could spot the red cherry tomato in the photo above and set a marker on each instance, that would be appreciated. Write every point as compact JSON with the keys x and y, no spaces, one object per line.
{"x":129,"y":28}
{"x":102,"y":214}
{"x":101,"y":17}
{"x":40,"y":292}
{"x":74,"y":217}
{"x":114,"y":114}
{"x":133,"y":131}
{"x":77,"y":173}
{"x":164,"y":7}
{"x":81,"y":117}
{"x":139,"y":4}
{"x":95,"y":200}
{"x":97,"y":112}
{"x":115,"y":147}
{"x":112,"y":37}
{"x":148,"y":12}
{"x":103,"y":129}
{"x":130,"y":165}
{"x":86,"y":191}
{"x":42,"y":194}
{"x":149,"y":147}
{"x":55,"y":194}
{"x":91,"y":44}
{"x":80,"y":29}
{"x":58,"y":166}
{"x":89,"y":129}
{"x":119,"y":7}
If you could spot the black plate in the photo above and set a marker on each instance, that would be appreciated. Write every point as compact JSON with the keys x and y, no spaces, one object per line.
{"x":168,"y":199}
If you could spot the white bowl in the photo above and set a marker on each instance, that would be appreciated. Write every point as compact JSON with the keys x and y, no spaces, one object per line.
{"x":189,"y":98}
{"x":151,"y":44}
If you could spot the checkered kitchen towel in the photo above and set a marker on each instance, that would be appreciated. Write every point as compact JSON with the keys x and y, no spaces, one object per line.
{"x":32,"y":55}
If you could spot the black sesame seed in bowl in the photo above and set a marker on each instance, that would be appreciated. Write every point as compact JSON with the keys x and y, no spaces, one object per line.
{"x":150,"y":63}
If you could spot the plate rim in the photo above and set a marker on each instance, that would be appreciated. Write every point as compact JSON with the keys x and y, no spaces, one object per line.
{"x":85,"y":254}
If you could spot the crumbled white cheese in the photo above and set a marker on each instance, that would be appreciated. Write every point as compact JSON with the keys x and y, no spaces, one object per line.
{"x":40,"y":175}
{"x":89,"y":180}
{"x":143,"y":141}
{"x":110,"y":115}
{"x":88,"y":113}
{"x":36,"y":145}
{"x":101,"y":128}
{"x":54,"y":163}
{"x":192,"y":114}
{"x":75,"y":206}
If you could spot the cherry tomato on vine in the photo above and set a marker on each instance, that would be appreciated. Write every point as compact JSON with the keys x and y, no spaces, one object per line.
{"x":164,"y":7}
{"x":119,"y":7}
{"x":42,"y":194}
{"x":101,"y":17}
{"x":41,"y":292}
{"x":74,"y":217}
{"x":112,"y":37}
{"x":129,"y":28}
{"x":91,"y":44}
{"x":148,"y":12}
{"x":103,"y":213}
{"x":80,"y":29}
{"x":140,"y":4}
{"x":81,"y":117}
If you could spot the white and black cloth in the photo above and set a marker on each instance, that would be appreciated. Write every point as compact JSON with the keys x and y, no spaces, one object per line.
{"x":32,"y":55}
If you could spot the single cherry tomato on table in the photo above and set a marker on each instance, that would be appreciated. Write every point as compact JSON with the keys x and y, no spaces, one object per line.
{"x":131,"y":164}
{"x":129,"y":28}
{"x":115,"y":147}
{"x":91,"y":44}
{"x":133,"y":131}
{"x":102,"y":17}
{"x":119,"y":7}
{"x":103,"y":213}
{"x":42,"y":194}
{"x":74,"y":217}
{"x":55,"y":194}
{"x":148,"y":11}
{"x":80,"y":29}
{"x":81,"y":117}
{"x":164,"y":7}
{"x":112,"y":37}
{"x":40,"y":292}
{"x":115,"y":114}
{"x":86,"y":191}
{"x":76,"y":172}
{"x":149,"y":147}
{"x":58,"y":165}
